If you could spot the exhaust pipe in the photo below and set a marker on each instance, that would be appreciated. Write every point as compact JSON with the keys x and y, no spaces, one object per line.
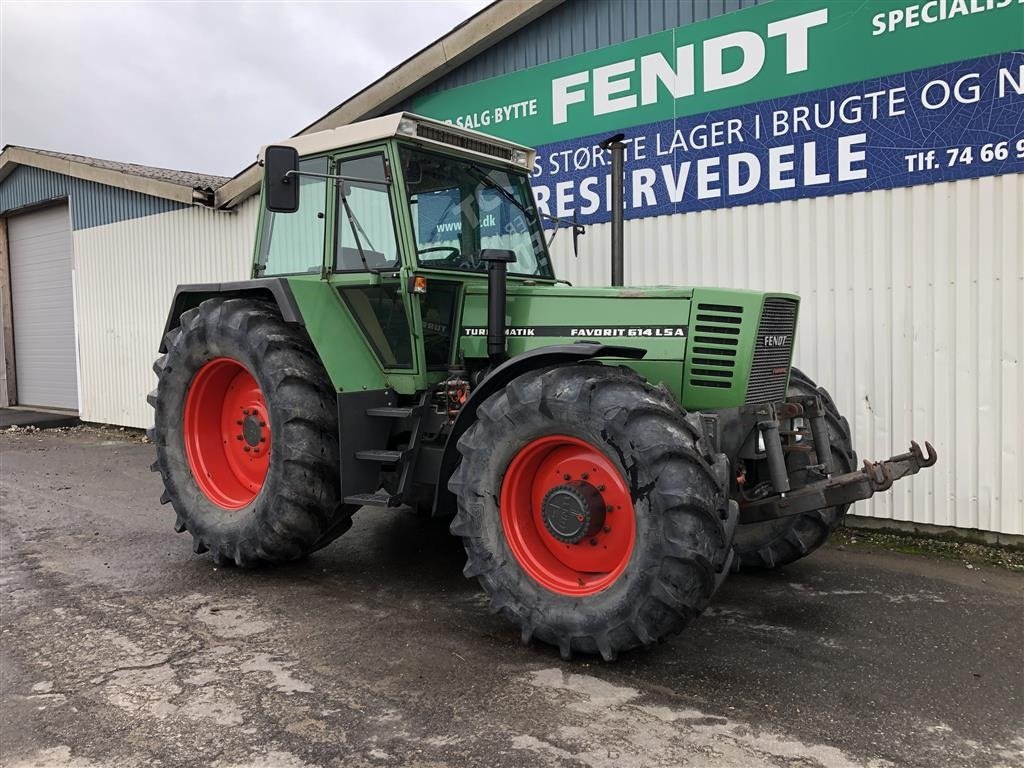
{"x":618,"y":149}
{"x":497,"y":261}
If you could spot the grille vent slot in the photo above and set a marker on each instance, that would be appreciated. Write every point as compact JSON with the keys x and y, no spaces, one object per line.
{"x":778,"y":321}
{"x":466,"y":142}
{"x":715,"y":338}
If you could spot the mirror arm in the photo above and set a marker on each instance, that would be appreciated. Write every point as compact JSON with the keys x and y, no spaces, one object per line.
{"x":577,"y":229}
{"x":339,"y":177}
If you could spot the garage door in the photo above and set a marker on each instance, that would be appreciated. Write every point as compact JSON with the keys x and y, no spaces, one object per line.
{"x":43,"y":304}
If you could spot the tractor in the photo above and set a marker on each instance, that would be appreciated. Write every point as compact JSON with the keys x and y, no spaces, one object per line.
{"x":607,"y":455}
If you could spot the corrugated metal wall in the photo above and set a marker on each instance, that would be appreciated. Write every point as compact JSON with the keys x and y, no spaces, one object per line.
{"x":912,"y":316}
{"x":125,"y":276}
{"x":92,"y":204}
{"x":577,"y":26}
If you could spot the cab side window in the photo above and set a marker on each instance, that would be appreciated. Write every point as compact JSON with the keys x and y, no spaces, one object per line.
{"x":366,"y":223}
{"x":293,"y":243}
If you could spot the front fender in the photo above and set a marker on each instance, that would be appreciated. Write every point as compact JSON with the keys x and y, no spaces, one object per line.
{"x":555,"y":355}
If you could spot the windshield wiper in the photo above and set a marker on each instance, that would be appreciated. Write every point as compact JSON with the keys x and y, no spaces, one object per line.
{"x":353,"y":225}
{"x":357,"y":228}
{"x":480,"y":175}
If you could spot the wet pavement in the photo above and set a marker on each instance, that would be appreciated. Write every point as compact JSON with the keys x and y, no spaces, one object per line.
{"x":119,"y":647}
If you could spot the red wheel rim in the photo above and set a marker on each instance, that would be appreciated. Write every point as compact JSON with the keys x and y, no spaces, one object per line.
{"x":227,"y":433}
{"x":584,"y":567}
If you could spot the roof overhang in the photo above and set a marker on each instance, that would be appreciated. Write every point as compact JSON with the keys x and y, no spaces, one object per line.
{"x":494,"y":23}
{"x":11,"y":157}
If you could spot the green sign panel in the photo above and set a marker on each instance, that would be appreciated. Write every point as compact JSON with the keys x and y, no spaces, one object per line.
{"x":770,"y":51}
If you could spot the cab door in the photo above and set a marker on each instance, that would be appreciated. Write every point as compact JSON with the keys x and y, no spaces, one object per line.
{"x":367,"y":268}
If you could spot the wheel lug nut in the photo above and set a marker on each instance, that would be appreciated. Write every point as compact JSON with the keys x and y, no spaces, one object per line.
{"x":239,"y":422}
{"x":585,"y":475}
{"x":567,"y":476}
{"x":263,"y":423}
{"x":607,"y":529}
{"x":245,"y":448}
{"x":600,"y":488}
{"x":593,"y":542}
{"x":238,"y":437}
{"x":263,"y":439}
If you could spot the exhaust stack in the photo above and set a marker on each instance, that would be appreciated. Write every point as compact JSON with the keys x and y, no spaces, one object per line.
{"x":618,"y":149}
{"x":497,"y":267}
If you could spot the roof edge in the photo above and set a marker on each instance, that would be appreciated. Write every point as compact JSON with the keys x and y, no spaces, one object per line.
{"x":490,"y":25}
{"x":13,"y":156}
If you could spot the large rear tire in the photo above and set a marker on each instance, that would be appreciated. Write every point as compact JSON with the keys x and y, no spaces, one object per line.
{"x":593,"y":512}
{"x":245,"y":429}
{"x":775,"y":543}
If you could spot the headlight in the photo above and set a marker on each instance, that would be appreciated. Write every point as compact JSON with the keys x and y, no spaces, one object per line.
{"x":407,"y":127}
{"x":519,"y":157}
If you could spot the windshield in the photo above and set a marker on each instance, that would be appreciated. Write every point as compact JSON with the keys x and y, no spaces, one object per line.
{"x":460,"y":208}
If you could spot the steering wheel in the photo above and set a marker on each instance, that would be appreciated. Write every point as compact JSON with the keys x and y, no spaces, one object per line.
{"x":453,"y":253}
{"x":455,"y":258}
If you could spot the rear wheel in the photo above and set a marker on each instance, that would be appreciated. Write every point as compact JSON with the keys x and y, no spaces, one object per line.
{"x":245,"y":431}
{"x":774,"y":543}
{"x":592,"y":510}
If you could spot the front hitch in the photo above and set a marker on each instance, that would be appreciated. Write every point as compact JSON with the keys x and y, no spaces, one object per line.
{"x":841,"y":489}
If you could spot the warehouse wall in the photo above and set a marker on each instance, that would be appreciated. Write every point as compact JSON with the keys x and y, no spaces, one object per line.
{"x":125,"y":276}
{"x":912,"y":316}
{"x":92,"y":204}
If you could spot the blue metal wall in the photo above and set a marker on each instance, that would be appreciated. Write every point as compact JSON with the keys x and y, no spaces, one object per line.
{"x":92,"y":204}
{"x":578,"y":26}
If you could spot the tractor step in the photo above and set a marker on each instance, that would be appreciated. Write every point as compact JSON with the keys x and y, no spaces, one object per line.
{"x":383,"y":457}
{"x":391,"y":412}
{"x":373,"y":500}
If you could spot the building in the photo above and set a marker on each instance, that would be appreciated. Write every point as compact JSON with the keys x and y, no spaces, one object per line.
{"x":90,"y":252}
{"x":869,"y":157}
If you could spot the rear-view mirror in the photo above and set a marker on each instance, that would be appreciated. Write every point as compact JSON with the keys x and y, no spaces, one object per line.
{"x":281,"y":171}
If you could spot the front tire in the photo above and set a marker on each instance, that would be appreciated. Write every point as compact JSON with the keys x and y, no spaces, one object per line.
{"x":593,"y":512}
{"x":245,"y":429}
{"x":774,"y":543}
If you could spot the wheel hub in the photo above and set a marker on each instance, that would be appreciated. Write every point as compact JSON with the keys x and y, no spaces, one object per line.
{"x":573,"y":511}
{"x":252,"y":428}
{"x":568,"y":515}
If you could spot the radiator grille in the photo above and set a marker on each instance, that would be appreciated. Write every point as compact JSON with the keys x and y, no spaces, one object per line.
{"x":466,"y":142}
{"x":773,"y":350}
{"x":715,"y":337}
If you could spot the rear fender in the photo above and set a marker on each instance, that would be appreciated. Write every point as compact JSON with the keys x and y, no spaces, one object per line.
{"x":189,"y":296}
{"x":545,"y":357}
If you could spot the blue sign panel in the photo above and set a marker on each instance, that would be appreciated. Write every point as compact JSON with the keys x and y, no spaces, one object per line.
{"x":955,"y":121}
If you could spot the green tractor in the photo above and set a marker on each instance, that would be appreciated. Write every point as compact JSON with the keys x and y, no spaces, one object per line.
{"x":607,"y":455}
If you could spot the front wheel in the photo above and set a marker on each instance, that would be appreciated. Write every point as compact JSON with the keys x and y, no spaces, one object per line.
{"x":245,"y":428}
{"x":592,"y":510}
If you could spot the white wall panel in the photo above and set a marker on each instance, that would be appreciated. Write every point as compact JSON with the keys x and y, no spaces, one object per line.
{"x":912,"y":316}
{"x":125,"y":277}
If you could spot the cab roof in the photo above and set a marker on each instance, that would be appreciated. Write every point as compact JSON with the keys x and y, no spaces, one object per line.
{"x":417,"y":129}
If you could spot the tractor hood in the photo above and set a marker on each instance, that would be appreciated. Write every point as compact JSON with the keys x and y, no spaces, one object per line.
{"x":712,"y":348}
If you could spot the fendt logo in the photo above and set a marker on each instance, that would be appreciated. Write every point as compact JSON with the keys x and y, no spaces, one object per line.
{"x":777,"y":340}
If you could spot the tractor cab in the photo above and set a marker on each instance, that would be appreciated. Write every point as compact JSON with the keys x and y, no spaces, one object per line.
{"x":401,"y":216}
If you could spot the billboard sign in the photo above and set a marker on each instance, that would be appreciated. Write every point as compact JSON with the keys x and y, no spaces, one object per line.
{"x":790,"y":99}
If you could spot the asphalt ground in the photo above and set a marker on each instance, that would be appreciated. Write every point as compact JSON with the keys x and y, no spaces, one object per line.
{"x":119,"y":647}
{"x":28,"y":417}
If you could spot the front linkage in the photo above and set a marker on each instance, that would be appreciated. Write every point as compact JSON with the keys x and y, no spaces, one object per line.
{"x":781,"y":500}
